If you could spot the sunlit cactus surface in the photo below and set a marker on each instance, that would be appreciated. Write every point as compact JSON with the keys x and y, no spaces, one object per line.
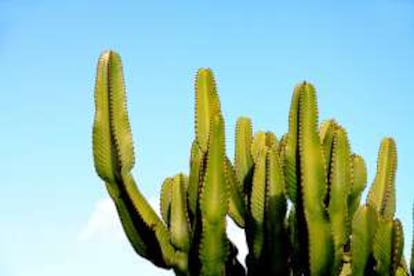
{"x":297,"y":196}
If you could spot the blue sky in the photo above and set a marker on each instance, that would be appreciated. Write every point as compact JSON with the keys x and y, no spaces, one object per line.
{"x":54,"y":213}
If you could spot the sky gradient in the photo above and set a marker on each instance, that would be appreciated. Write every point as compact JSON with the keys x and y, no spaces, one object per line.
{"x":55,"y":216}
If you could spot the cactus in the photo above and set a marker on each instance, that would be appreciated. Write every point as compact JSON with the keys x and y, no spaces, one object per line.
{"x":297,"y":198}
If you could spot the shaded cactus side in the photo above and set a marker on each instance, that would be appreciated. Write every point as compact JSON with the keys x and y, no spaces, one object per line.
{"x":324,"y":231}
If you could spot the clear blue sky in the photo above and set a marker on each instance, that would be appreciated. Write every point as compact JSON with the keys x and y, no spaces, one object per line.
{"x":359,"y":55}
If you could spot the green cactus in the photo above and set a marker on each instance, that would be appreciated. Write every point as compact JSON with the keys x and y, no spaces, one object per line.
{"x":297,"y":198}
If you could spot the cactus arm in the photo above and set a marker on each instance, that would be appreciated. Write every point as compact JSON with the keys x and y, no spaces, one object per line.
{"x":179,"y":223}
{"x":120,"y":127}
{"x":148,"y":223}
{"x":257,"y":205}
{"x":401,"y":271}
{"x":290,"y":151}
{"x":359,"y":181}
{"x":165,"y":200}
{"x":196,"y":164}
{"x":243,"y":161}
{"x":258,"y":143}
{"x":313,"y":184}
{"x":207,"y":108}
{"x":382,"y":193}
{"x":114,"y":158}
{"x":382,"y":247}
{"x":327,"y":130}
{"x":275,"y":212}
{"x":340,"y":184}
{"x":103,"y":151}
{"x":359,"y":169}
{"x":389,"y":204}
{"x":150,"y":241}
{"x":145,"y":231}
{"x":135,"y":238}
{"x":237,"y":210}
{"x":214,"y":204}
{"x":397,"y":244}
{"x":326,"y":133}
{"x":281,"y":151}
{"x":206,"y":104}
{"x":271,"y":140}
{"x":364,"y":225}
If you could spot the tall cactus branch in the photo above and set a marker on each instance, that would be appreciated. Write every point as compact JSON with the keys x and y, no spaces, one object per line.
{"x":313,"y":184}
{"x":114,"y":159}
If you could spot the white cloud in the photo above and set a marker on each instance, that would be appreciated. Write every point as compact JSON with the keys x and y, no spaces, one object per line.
{"x":104,"y":223}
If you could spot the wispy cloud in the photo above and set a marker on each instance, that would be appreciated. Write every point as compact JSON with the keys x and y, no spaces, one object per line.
{"x":103,"y":223}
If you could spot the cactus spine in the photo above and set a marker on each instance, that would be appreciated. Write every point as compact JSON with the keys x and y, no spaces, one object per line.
{"x":323,"y":231}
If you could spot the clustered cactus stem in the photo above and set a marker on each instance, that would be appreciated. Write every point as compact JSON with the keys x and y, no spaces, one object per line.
{"x":297,"y":198}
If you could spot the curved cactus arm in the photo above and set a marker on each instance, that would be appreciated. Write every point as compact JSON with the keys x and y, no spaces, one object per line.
{"x":114,"y":159}
{"x":140,"y":246}
{"x":105,"y":154}
{"x":382,"y":193}
{"x":179,"y":222}
{"x":397,"y":244}
{"x":165,"y":200}
{"x":206,"y":105}
{"x":237,"y":210}
{"x":275,"y":213}
{"x":339,"y":188}
{"x":214,"y":204}
{"x":382,"y":246}
{"x":359,"y":181}
{"x":364,"y":225}
{"x":146,"y":224}
{"x":113,"y":149}
{"x":313,"y":184}
{"x":120,"y":127}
